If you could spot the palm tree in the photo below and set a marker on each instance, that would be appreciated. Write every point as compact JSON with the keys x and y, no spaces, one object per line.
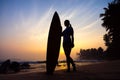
{"x":111,"y":22}
{"x":107,"y":40}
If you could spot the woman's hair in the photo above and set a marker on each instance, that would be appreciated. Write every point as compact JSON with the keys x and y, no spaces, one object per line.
{"x":66,"y":22}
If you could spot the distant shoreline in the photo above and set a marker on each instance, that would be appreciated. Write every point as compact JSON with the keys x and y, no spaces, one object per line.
{"x":61,"y":61}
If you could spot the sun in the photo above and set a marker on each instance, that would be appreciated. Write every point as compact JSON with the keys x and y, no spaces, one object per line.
{"x":61,"y":51}
{"x":62,"y":54}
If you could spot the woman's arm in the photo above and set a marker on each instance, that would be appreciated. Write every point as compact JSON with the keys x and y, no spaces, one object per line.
{"x":72,"y":38}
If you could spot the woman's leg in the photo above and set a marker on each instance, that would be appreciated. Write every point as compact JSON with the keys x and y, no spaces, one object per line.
{"x":67,"y":54}
{"x":69,"y":59}
{"x":73,"y":64}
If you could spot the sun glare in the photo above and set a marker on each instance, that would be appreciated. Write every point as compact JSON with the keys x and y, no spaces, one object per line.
{"x":61,"y":51}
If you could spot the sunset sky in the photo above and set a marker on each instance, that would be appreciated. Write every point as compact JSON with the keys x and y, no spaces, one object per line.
{"x":24,"y":26}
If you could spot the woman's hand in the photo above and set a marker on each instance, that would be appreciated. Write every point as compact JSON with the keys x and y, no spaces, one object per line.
{"x":72,"y":45}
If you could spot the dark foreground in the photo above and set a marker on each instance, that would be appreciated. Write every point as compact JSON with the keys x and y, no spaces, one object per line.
{"x":109,"y":70}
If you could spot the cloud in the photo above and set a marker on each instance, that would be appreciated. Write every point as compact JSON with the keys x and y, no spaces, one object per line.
{"x":90,"y":25}
{"x":42,"y":24}
{"x":39,"y":32}
{"x":69,"y":14}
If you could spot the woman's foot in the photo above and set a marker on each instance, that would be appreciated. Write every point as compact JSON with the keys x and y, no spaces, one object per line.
{"x":68,"y":70}
{"x":74,"y":68}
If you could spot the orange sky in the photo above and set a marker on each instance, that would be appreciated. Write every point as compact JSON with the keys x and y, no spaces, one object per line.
{"x":24,"y":26}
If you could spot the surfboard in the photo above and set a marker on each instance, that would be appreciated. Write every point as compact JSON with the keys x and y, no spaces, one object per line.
{"x":53,"y":44}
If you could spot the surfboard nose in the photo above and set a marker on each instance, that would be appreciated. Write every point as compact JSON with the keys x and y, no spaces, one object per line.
{"x":56,"y":19}
{"x":55,"y":14}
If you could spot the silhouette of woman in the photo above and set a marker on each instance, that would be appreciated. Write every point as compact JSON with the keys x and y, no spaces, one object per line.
{"x":68,"y":44}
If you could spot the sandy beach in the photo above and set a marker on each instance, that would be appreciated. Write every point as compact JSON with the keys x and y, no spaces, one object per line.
{"x":107,"y":70}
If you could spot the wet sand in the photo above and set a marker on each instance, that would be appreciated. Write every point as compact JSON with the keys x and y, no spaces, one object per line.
{"x":108,"y":70}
